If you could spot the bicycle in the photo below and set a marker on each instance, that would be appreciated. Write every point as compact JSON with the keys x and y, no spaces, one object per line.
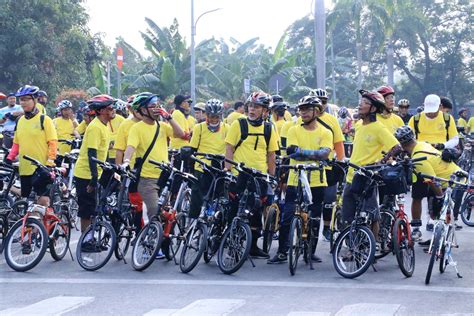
{"x":336,"y":224}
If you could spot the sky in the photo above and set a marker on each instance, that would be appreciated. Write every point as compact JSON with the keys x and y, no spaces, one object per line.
{"x":240,"y":19}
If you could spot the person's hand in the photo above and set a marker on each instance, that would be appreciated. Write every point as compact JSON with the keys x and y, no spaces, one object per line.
{"x":163,"y":113}
{"x":439,"y":146}
{"x":124,"y":166}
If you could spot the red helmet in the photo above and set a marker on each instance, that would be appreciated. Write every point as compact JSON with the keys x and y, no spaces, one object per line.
{"x":100,"y":101}
{"x":375,"y":98}
{"x":2,"y":96}
{"x":385,"y":90}
{"x":260,"y":98}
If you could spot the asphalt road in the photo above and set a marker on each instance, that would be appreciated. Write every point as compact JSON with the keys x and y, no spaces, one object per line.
{"x":54,"y":288}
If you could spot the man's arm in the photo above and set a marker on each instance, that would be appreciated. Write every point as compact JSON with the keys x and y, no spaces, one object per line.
{"x":229,"y":154}
{"x":128,"y":153}
{"x":271,"y":162}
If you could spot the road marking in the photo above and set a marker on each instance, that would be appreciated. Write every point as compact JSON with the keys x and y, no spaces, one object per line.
{"x":52,"y":306}
{"x":333,"y":285}
{"x":309,"y":314}
{"x":161,"y":312}
{"x":365,"y":309}
{"x":208,"y":307}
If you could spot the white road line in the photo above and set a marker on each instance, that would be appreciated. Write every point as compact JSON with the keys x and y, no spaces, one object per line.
{"x":309,"y":314}
{"x":208,"y":307}
{"x":52,"y":306}
{"x":365,"y":309}
{"x":333,"y":285}
{"x":3,"y":261}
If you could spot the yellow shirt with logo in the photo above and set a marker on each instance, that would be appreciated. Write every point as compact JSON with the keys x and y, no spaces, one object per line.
{"x":33,"y":141}
{"x":369,"y":142}
{"x":391,"y":121}
{"x":232,"y":117}
{"x":186,"y":126}
{"x":97,"y":137}
{"x":253,"y":150}
{"x":433,"y":131}
{"x":114,"y":125}
{"x":122,"y":137}
{"x":81,"y":128}
{"x":319,"y":138}
{"x":337,"y":135}
{"x":289,"y":124}
{"x":65,"y":130}
{"x":208,"y":142}
{"x":140,"y":137}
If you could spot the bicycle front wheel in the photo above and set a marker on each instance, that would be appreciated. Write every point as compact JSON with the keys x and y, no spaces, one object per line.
{"x":336,"y":227}
{"x":435,"y":248}
{"x":235,"y":247}
{"x":446,"y":249}
{"x":172,"y":243}
{"x":467,"y":210}
{"x":124,"y":238}
{"x":403,"y":247}
{"x":96,"y":245}
{"x":296,"y":241}
{"x":147,"y":245}
{"x":59,"y":241}
{"x":194,"y":246}
{"x":354,"y":251}
{"x":270,"y":227}
{"x":387,"y":220}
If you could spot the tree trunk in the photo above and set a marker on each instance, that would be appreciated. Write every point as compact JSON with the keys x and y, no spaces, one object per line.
{"x":390,"y":64}
{"x":359,"y":64}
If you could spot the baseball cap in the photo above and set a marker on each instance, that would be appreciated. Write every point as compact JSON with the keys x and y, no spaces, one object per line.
{"x":432,"y":102}
{"x":180,"y":98}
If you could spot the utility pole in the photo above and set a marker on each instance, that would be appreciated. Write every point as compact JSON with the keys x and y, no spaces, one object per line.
{"x":320,"y":43}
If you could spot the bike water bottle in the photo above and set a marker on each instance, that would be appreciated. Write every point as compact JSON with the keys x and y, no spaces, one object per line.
{"x":210,"y":210}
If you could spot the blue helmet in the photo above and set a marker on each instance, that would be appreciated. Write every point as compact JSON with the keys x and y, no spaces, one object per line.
{"x":27,"y":90}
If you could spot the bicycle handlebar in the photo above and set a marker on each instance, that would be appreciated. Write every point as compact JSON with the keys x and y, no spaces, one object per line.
{"x":297,"y":167}
{"x":449,"y":181}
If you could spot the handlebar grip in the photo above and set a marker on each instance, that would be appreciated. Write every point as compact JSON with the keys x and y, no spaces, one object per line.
{"x":419,"y":159}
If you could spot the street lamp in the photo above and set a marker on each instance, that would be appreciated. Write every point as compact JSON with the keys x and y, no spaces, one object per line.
{"x":193,"y":55}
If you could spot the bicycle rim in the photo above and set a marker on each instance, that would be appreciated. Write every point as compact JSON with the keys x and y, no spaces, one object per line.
{"x":385,"y":234}
{"x":403,"y":248}
{"x":269,"y":230}
{"x":59,"y":242}
{"x":467,"y":211}
{"x":234,"y":247}
{"x":193,"y":248}
{"x":446,"y":250}
{"x":295,"y":244}
{"x":124,"y":237}
{"x":434,"y":252}
{"x":102,"y":239}
{"x":148,"y":243}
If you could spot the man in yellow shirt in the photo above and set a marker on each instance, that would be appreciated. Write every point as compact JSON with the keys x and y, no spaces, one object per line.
{"x":65,"y":125}
{"x":254,"y":142}
{"x":114,"y":125}
{"x":94,"y":145}
{"x":307,"y":142}
{"x":387,"y":117}
{"x":200,"y":112}
{"x":87,"y":116}
{"x":462,"y":120}
{"x":278,"y":110}
{"x":181,"y":115}
{"x":35,"y":136}
{"x":239,"y":110}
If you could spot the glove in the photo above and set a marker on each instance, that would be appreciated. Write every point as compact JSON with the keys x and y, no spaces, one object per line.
{"x":297,"y":154}
{"x":439,"y":146}
{"x":162,"y":112}
{"x":9,"y":116}
{"x":291,"y":149}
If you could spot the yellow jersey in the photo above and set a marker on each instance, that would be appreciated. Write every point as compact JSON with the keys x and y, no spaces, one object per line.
{"x":65,"y":130}
{"x":433,"y":131}
{"x":114,"y":125}
{"x":208,"y":142}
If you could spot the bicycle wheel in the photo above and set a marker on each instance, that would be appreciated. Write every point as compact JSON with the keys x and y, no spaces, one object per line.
{"x":24,"y":254}
{"x":213,"y":241}
{"x":171,"y":244}
{"x":295,"y":241}
{"x":234,"y":247}
{"x":59,"y":241}
{"x":124,"y":238}
{"x":3,"y":230}
{"x":467,"y":210}
{"x":269,"y":228}
{"x":354,"y":251}
{"x":194,"y":246}
{"x":446,"y":249}
{"x":147,"y":245}
{"x":336,"y":227}
{"x":403,"y":247}
{"x":387,"y":220}
{"x":434,"y":252}
{"x":96,"y":245}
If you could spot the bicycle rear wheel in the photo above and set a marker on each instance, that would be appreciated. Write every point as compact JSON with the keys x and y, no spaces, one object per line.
{"x":336,"y":227}
{"x":295,"y":240}
{"x":446,"y":249}
{"x":467,"y":210}
{"x":194,"y":246}
{"x":269,"y":228}
{"x":403,"y":247}
{"x":147,"y":245}
{"x":434,"y":252}
{"x":354,"y":251}
{"x":3,"y":230}
{"x":96,"y":245}
{"x":59,"y":241}
{"x":387,"y":220}
{"x":235,"y":247}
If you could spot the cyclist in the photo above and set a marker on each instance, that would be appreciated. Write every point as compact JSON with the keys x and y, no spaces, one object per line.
{"x":387,"y":118}
{"x":256,"y":150}
{"x":279,"y":99}
{"x":278,"y":110}
{"x":403,"y":106}
{"x":114,"y":125}
{"x":307,"y":142}
{"x":65,"y":125}
{"x":323,"y":96}
{"x":120,"y":107}
{"x":149,"y":136}
{"x":446,"y":105}
{"x":183,"y":119}
{"x":88,"y":115}
{"x":95,"y":144}
{"x":43,"y":100}
{"x":35,"y":136}
{"x":345,"y":123}
{"x":462,"y":120}
{"x":438,"y":129}
{"x":200,"y":112}
{"x":208,"y":137}
{"x":8,"y":117}
{"x":239,"y":110}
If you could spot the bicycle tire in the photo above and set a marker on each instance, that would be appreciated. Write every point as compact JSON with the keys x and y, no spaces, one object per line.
{"x":295,"y":243}
{"x":197,"y":234}
{"x":149,"y":239}
{"x":64,"y":232}
{"x":348,"y":237}
{"x":467,"y":214}
{"x":13,"y":237}
{"x":387,"y":220}
{"x":269,"y":228}
{"x":443,"y":261}
{"x":105,"y":243}
{"x":213,"y":239}
{"x":238,"y":235}
{"x":4,"y":227}
{"x":434,"y":251}
{"x":403,"y":248}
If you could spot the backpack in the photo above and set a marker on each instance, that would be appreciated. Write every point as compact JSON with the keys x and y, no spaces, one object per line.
{"x":244,"y":133}
{"x":41,"y":122}
{"x":447,"y":121}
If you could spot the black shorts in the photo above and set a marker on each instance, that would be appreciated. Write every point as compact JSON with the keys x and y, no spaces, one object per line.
{"x":420,"y":190}
{"x":87,"y":201}
{"x":27,"y":187}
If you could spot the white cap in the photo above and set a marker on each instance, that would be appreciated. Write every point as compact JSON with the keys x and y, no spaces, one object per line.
{"x":432,"y":102}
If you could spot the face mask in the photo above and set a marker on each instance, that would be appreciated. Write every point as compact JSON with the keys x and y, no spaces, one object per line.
{"x":256,"y":122}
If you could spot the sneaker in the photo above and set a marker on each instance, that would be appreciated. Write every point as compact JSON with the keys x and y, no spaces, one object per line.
{"x":416,"y":234}
{"x":424,"y":243}
{"x":160,"y":255}
{"x":26,"y":248}
{"x":316,"y":258}
{"x":327,"y":234}
{"x":429,"y":227}
{"x":89,"y":246}
{"x":258,"y":253}
{"x":457,"y":226}
{"x":278,"y":258}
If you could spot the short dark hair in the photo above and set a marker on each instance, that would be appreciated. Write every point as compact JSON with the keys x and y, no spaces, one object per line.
{"x":238,"y":104}
{"x":446,"y":103}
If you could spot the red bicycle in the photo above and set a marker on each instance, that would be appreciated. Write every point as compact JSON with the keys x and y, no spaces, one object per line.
{"x":403,"y":245}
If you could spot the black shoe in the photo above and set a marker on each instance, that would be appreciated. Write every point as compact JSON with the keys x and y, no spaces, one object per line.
{"x":90,"y":246}
{"x":315,"y":258}
{"x":258,"y":253}
{"x":457,"y":226}
{"x":429,"y":227}
{"x":424,"y":243}
{"x":278,"y":258}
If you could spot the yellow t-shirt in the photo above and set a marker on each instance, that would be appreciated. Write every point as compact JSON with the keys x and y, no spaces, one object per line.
{"x":205,"y":141}
{"x":122,"y":137}
{"x":33,"y":141}
{"x":369,"y":142}
{"x":185,"y":125}
{"x":470,"y":125}
{"x":81,"y":128}
{"x":337,"y":135}
{"x":287,"y":116}
{"x":41,"y":108}
{"x":140,"y":137}
{"x":114,"y":125}
{"x":289,"y":124}
{"x":319,"y":138}
{"x":462,"y":122}
{"x":433,"y":131}
{"x":65,"y":130}
{"x":391,"y":121}
{"x":97,"y":137}
{"x":278,"y":125}
{"x":232,"y":117}
{"x":433,"y":165}
{"x":253,"y":150}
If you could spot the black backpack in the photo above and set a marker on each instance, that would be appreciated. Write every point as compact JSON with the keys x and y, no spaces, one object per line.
{"x":244,"y":133}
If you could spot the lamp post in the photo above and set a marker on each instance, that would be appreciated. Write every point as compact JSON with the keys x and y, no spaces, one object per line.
{"x":193,"y":54}
{"x":320,"y":43}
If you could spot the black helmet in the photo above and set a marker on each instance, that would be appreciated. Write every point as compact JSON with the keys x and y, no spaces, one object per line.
{"x":277,"y":98}
{"x":312,"y":101}
{"x":278,"y":106}
{"x":404,"y":134}
{"x":214,"y":107}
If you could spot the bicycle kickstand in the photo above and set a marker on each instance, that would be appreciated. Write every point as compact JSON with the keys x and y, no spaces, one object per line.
{"x":251,"y":261}
{"x":70,"y":252}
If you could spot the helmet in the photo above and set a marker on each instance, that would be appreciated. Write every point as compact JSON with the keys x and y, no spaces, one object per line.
{"x":278,"y":106}
{"x":130,"y":99}
{"x":142,"y":100}
{"x":64,"y":104}
{"x":42,"y":93}
{"x":277,"y":98}
{"x":385,"y":90}
{"x":2,"y":96}
{"x":320,"y":93}
{"x":404,"y":102}
{"x":260,"y":98}
{"x":120,"y":105}
{"x":86,"y":110}
{"x":420,"y":109}
{"x":100,"y":101}
{"x":461,"y":110}
{"x":27,"y":90}
{"x":343,"y":112}
{"x":404,"y":134}
{"x":214,"y":107}
{"x":200,"y":106}
{"x":312,"y":101}
{"x":375,"y":98}
{"x":446,"y":102}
